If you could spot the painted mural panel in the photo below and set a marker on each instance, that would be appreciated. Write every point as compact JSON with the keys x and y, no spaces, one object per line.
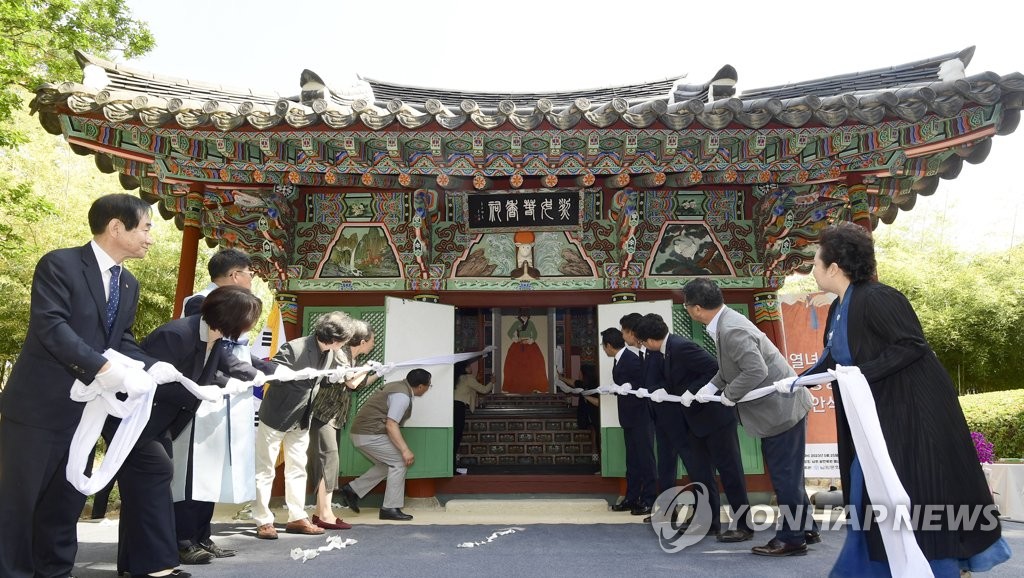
{"x":525,"y":338}
{"x":519,"y":256}
{"x":688,"y":249}
{"x":360,"y":251}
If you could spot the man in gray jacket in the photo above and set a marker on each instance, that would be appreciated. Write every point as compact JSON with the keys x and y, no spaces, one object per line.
{"x":748,"y":360}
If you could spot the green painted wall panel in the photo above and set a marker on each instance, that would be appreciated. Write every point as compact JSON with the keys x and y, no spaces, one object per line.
{"x":613,"y":454}
{"x":431,"y":446}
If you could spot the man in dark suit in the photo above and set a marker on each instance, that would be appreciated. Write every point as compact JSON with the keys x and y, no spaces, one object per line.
{"x":667,"y":458}
{"x":710,"y":429}
{"x":82,"y":304}
{"x":637,"y":428}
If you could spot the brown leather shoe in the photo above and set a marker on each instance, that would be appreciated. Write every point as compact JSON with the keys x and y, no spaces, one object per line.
{"x":266,"y":532}
{"x":303,"y":526}
{"x":337,"y":524}
{"x":778,"y":548}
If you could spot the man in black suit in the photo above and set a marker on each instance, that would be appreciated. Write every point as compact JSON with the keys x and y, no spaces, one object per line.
{"x":709,"y":429}
{"x":667,"y":457}
{"x":82,"y":304}
{"x":637,"y":428}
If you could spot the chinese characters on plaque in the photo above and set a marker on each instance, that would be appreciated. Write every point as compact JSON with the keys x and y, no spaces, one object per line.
{"x":554,"y":209}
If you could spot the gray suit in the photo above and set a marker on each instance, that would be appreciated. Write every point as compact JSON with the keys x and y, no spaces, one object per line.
{"x":748,"y":360}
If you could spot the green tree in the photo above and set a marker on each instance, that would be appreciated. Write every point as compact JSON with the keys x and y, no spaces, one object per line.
{"x":38,"y":39}
{"x":971,"y":305}
{"x":50,"y":212}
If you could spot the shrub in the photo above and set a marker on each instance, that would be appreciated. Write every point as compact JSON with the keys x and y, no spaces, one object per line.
{"x":998,"y":415}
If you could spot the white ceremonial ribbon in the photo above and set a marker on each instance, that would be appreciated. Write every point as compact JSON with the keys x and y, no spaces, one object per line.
{"x":803,"y":381}
{"x":883,"y":484}
{"x":661,"y":396}
{"x":134,"y":414}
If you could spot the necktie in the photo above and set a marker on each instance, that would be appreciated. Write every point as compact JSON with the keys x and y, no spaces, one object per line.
{"x":642,"y":356}
{"x":115,"y":296}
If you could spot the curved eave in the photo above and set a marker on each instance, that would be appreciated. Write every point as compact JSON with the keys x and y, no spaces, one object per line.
{"x":909,"y":103}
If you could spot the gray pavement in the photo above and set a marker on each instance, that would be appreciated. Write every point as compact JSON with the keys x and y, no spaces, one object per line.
{"x":552,"y":537}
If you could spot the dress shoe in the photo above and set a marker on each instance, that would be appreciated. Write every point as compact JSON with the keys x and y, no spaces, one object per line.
{"x":812,"y":537}
{"x":194,"y":555}
{"x":303,"y":526}
{"x":351,"y":498}
{"x":777,"y":548}
{"x":216,"y":550}
{"x":393,"y":514}
{"x":737,"y":535}
{"x":641,"y":510}
{"x":266,"y":532}
{"x":623,"y":506}
{"x":338,"y":524}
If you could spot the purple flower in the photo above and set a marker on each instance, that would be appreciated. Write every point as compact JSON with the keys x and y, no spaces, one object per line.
{"x":986,"y":451}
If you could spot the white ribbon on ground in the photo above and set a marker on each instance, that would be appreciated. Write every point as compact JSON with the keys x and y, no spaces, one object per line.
{"x":883,"y":484}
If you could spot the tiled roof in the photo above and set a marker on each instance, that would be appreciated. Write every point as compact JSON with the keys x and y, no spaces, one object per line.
{"x":908,"y":92}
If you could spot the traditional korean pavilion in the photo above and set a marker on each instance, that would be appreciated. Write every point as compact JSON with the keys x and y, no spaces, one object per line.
{"x":346,"y":195}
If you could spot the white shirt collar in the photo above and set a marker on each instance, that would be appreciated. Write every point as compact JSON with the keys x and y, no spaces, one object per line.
{"x":712,"y":328}
{"x":618,"y":355}
{"x":102,"y":259}
{"x":664,"y":344}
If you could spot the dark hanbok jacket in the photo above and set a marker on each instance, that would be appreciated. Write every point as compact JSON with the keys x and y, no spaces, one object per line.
{"x":920,"y":416}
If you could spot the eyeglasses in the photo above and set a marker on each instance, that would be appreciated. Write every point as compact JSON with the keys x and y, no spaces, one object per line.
{"x":248,"y":272}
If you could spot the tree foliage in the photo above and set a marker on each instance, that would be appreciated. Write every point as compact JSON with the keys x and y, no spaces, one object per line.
{"x":48,"y":212}
{"x":971,"y":306}
{"x":38,"y":39}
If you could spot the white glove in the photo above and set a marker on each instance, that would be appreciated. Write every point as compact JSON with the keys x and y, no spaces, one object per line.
{"x":374,"y":364}
{"x":113,"y":378}
{"x":236,"y":386}
{"x":707,"y":393}
{"x":260,"y":379}
{"x":709,"y":389}
{"x":337,"y":375}
{"x":727,"y":402}
{"x":661,"y":396}
{"x":785,"y":385}
{"x":283,"y":373}
{"x":137,"y":382}
{"x":384,"y":369}
{"x":163,"y":372}
{"x":687,"y":398}
{"x":307,"y":373}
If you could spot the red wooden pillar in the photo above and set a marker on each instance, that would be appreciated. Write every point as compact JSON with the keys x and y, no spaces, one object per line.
{"x":186,"y":266}
{"x":767,"y":317}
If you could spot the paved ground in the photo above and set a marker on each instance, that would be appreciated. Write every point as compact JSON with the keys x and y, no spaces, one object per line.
{"x":551,"y":538}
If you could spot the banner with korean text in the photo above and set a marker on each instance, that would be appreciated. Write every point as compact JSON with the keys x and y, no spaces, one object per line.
{"x":803,"y":318}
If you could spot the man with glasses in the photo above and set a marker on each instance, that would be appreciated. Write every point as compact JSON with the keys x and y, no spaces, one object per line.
{"x":227,"y":267}
{"x":376,"y":432}
{"x":221,"y":440}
